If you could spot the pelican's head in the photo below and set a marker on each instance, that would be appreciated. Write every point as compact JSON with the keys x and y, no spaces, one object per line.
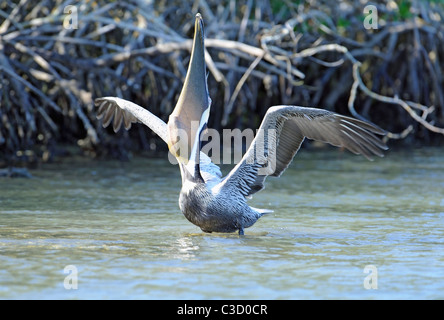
{"x":190,"y":116}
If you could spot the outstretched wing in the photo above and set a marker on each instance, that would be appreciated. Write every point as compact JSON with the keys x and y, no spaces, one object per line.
{"x":281,"y":134}
{"x":126,"y":112}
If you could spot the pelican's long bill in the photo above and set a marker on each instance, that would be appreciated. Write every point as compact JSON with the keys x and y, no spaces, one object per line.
{"x":191,"y":112}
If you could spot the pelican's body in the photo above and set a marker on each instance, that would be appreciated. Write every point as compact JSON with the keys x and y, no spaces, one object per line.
{"x":218,"y":211}
{"x":216,"y":203}
{"x":214,"y":213}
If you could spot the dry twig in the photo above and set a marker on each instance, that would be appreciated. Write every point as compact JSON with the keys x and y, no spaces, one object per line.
{"x":258,"y":55}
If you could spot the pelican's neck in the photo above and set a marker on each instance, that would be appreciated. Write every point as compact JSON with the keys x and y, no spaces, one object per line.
{"x":192,"y":105}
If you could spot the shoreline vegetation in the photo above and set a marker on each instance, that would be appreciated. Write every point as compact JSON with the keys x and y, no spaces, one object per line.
{"x":57,"y":57}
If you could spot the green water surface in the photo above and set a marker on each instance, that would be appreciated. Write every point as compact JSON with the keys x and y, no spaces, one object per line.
{"x":119,"y":226}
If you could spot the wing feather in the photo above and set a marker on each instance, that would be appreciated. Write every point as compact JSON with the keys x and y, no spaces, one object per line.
{"x":290,"y":125}
{"x":127,"y":112}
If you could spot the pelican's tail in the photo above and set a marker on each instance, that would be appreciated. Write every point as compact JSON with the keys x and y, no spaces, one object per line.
{"x":262,"y":211}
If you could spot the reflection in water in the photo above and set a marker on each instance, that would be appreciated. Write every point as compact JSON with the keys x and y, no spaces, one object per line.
{"x":119,"y":224}
{"x":187,"y":249}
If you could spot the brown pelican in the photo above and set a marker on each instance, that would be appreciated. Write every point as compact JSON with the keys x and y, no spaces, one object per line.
{"x":216,"y":203}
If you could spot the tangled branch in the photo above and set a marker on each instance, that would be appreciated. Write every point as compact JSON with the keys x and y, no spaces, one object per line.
{"x":260,"y":55}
